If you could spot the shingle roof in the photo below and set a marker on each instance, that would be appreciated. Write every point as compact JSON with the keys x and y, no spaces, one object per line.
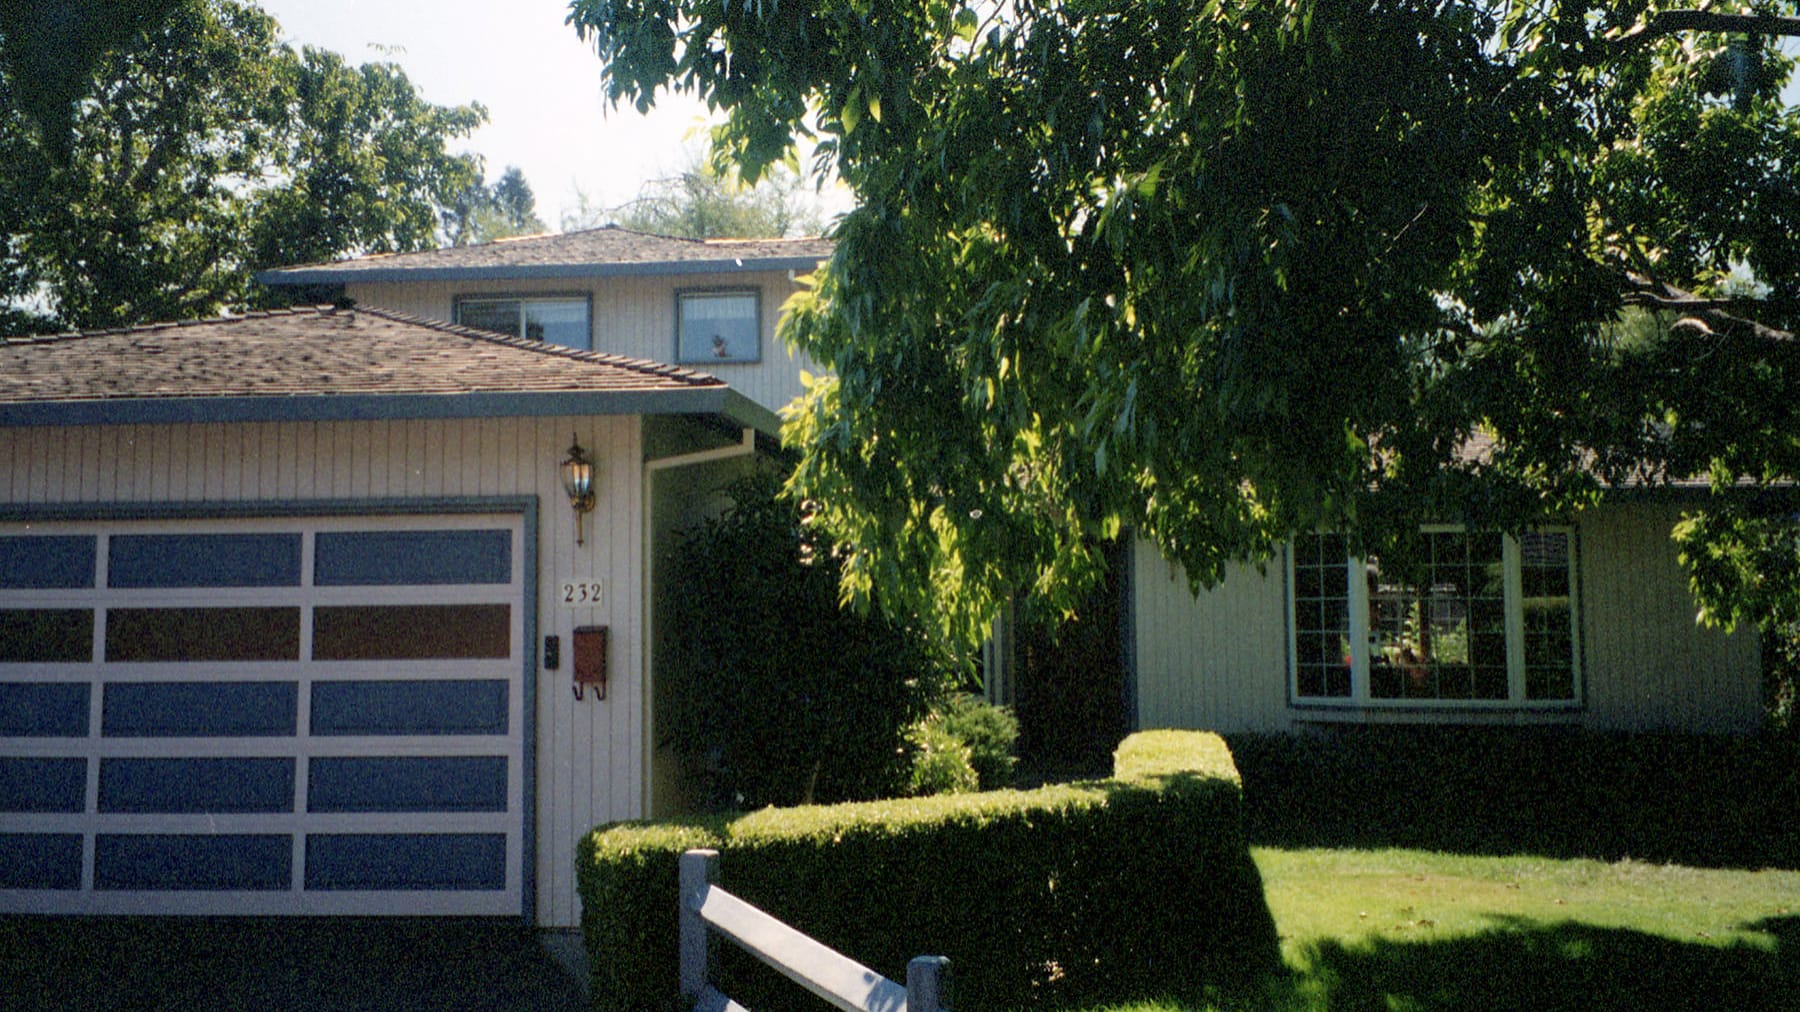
{"x":596,"y":252}
{"x":323,"y":362}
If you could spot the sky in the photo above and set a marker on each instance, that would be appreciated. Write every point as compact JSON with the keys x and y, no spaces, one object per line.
{"x":539,"y":82}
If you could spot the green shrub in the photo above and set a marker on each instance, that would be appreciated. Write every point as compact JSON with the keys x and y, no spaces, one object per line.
{"x":777,"y":695}
{"x":941,"y":761}
{"x":991,"y":733}
{"x":1133,"y":887}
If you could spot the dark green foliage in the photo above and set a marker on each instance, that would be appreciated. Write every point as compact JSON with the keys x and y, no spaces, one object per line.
{"x":1132,"y":887}
{"x":1742,"y":556}
{"x":181,"y":146}
{"x":1690,"y":799}
{"x":990,"y":732}
{"x":780,"y":696}
{"x":1222,"y":271}
{"x":1781,"y":685}
{"x":49,"y":47}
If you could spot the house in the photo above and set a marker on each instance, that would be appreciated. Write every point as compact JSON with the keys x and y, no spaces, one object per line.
{"x":1624,"y":654}
{"x":298,"y":617}
{"x":1589,"y":625}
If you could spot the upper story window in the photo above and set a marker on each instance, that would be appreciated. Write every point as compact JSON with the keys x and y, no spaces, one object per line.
{"x":1481,"y":619}
{"x":715,"y":327}
{"x":560,"y":319}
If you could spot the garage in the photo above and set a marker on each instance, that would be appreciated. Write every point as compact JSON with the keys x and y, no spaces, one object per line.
{"x":298,"y":615}
{"x":265,"y":715}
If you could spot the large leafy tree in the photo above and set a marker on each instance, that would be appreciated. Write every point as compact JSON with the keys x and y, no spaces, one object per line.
{"x":1221,"y":270}
{"x":182,"y":147}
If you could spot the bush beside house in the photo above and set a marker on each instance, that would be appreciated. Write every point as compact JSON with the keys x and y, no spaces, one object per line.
{"x":777,"y":695}
{"x":1140,"y":885}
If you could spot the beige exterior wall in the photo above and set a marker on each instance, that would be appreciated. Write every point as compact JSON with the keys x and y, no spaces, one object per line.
{"x":632,"y":316}
{"x":588,"y":754}
{"x":1650,"y":665}
{"x":1219,"y":661}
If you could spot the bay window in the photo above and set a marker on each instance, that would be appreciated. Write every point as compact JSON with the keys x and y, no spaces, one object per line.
{"x":1479,"y":619}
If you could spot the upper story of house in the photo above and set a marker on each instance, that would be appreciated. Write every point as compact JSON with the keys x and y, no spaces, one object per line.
{"x":709,"y":305}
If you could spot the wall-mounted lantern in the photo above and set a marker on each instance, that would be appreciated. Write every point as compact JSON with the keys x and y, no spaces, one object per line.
{"x":578,"y":482}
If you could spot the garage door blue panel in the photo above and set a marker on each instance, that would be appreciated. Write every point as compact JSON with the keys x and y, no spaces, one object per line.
{"x":475,"y":706}
{"x":46,"y":562}
{"x":426,"y":861}
{"x":193,"y":862}
{"x":40,"y":860}
{"x":197,"y":785}
{"x":199,"y":709}
{"x":394,"y":558}
{"x":43,"y":709}
{"x":407,"y":784}
{"x":203,"y":560}
{"x":43,"y":785}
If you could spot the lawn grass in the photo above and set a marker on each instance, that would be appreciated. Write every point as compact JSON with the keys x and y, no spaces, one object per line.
{"x":1427,"y":869}
{"x":1411,"y":929}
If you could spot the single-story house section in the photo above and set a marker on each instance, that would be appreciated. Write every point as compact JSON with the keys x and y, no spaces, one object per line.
{"x":293,"y":608}
{"x":1590,"y":625}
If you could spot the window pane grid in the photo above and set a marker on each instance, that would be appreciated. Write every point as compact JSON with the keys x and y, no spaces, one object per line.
{"x":1322,"y":655}
{"x":1438,"y":629}
{"x":1548,"y":616}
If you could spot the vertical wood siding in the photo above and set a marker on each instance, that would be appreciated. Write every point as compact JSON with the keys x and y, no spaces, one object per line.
{"x":588,"y":753}
{"x":1217,"y":661}
{"x":632,"y":316}
{"x":1648,"y":664}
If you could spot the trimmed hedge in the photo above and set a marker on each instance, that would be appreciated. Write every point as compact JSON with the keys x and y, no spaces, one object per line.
{"x":1133,"y":887}
{"x":1702,"y":800}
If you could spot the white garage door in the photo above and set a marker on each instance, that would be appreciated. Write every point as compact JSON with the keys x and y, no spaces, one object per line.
{"x":255,"y":716}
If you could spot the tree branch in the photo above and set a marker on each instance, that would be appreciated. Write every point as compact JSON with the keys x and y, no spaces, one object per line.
{"x":1718,"y":316}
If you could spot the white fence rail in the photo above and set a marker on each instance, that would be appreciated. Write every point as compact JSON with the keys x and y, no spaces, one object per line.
{"x":846,"y":984}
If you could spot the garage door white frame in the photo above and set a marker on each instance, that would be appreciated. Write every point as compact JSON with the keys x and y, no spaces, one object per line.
{"x":353,"y":752}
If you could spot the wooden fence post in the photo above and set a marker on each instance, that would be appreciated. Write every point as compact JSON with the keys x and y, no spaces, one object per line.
{"x":699,"y":870}
{"x":928,"y":984}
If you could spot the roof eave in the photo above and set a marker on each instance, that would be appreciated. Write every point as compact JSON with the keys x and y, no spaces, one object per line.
{"x":709,"y":400}
{"x":332,"y":275}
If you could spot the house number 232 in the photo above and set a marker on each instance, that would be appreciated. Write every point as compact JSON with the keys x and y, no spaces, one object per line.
{"x":581,"y":593}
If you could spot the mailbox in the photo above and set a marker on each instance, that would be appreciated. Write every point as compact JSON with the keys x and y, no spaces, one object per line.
{"x":590,"y":660}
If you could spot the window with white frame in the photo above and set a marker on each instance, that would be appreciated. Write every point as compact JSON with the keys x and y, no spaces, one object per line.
{"x":715,"y":327}
{"x":561,"y":319}
{"x":1479,"y":619}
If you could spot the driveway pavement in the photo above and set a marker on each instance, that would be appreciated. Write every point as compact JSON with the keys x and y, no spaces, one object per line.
{"x":267,"y":965}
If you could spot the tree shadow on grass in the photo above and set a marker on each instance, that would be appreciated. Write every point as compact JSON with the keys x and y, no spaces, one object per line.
{"x":1524,"y":964}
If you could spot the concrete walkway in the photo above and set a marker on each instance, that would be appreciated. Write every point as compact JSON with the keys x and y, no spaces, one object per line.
{"x":269,"y":965}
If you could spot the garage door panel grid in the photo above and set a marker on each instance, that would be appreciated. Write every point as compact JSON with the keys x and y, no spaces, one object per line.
{"x":308,"y":716}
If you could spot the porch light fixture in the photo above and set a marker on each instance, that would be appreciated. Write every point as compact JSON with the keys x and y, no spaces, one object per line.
{"x":578,"y":482}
